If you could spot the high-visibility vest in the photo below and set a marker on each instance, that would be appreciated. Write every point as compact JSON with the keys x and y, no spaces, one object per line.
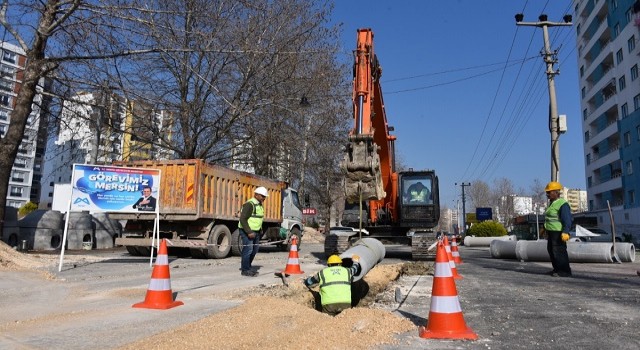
{"x":255,"y":221}
{"x":335,"y":285}
{"x":419,"y":195}
{"x":552,"y":215}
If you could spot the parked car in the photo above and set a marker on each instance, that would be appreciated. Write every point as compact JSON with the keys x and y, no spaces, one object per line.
{"x":603,"y":236}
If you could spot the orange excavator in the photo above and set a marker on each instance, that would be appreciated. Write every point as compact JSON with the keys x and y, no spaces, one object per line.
{"x":394,"y":207}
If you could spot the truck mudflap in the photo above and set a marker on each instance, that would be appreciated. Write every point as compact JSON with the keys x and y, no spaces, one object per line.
{"x":422,"y":245}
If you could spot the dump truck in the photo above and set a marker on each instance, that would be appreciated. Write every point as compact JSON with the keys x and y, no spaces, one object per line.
{"x":199,"y":208}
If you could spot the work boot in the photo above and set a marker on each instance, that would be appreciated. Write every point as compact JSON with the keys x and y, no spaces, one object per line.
{"x":249,"y":273}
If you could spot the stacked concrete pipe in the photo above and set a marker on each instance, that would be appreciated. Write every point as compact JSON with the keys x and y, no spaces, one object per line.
{"x":371,"y":252}
{"x":472,"y":241}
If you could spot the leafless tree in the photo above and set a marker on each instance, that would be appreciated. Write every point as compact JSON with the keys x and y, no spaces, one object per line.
{"x":479,"y":194}
{"x":228,"y":72}
{"x":537,"y":193}
{"x":502,"y":194}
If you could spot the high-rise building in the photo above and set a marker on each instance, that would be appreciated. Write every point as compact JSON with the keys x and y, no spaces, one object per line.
{"x":26,"y":173}
{"x":576,"y":198}
{"x":608,"y":34}
{"x":102,"y":128}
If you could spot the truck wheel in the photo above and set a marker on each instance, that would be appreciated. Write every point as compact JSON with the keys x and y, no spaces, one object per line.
{"x":236,"y":243}
{"x":294,"y":232}
{"x":219,"y":242}
{"x":132,"y":250}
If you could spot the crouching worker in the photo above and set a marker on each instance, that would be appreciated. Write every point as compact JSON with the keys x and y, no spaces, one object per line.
{"x":335,"y":284}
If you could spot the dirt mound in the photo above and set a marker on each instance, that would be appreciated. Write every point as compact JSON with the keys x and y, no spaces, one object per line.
{"x":13,"y":260}
{"x":311,"y":235}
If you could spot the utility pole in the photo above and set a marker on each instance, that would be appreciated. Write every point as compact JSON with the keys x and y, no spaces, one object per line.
{"x":550,"y":58}
{"x":464,"y":208}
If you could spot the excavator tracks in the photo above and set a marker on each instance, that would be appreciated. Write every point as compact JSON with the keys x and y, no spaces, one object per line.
{"x":420,"y":243}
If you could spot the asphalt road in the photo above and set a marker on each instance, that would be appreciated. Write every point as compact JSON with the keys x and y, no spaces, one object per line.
{"x":509,"y":304}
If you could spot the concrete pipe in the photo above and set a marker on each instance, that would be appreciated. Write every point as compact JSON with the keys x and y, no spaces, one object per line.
{"x":503,"y":249}
{"x":578,"y":252}
{"x":371,"y":252}
{"x":472,"y":241}
{"x":626,"y":252}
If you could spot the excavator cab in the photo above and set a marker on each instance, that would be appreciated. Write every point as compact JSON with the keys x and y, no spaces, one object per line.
{"x":419,"y":200}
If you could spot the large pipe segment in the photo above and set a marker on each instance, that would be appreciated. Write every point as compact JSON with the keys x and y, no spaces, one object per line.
{"x":503,"y":249}
{"x":579,"y":252}
{"x":472,"y":241}
{"x":370,"y":250}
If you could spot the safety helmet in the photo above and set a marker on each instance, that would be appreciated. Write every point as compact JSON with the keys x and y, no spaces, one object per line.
{"x":261,"y":190}
{"x":333,"y":260}
{"x":553,"y":186}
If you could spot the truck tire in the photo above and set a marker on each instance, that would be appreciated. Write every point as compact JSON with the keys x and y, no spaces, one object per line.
{"x":219,"y":242}
{"x":132,"y":250}
{"x":294,"y":232}
{"x":236,"y":243}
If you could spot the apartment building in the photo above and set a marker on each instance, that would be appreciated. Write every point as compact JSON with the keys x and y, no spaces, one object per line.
{"x":26,"y":173}
{"x":101,"y":128}
{"x":608,"y":32}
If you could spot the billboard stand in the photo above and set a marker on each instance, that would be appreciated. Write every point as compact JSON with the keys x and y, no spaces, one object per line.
{"x":155,"y":236}
{"x":64,"y":236}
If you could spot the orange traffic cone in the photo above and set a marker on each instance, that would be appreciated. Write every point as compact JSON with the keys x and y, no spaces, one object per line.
{"x":445,"y":315}
{"x":159,"y":295}
{"x":452,"y":263}
{"x":454,"y":252}
{"x":293,"y":265}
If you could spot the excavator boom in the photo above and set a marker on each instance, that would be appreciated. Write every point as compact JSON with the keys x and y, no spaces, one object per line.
{"x":368,"y":162}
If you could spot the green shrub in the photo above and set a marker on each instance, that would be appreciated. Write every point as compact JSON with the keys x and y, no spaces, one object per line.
{"x":487,"y":229}
{"x":27,"y":208}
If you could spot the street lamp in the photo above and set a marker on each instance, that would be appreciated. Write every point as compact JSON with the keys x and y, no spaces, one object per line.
{"x":550,"y":58}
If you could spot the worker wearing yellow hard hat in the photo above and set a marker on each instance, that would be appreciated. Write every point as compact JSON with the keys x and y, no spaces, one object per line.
{"x":335,"y":284}
{"x":557,"y":222}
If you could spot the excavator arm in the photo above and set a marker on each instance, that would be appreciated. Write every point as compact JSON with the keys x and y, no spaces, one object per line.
{"x":369,"y":162}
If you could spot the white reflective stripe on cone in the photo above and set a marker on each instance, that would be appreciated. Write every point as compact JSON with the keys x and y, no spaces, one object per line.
{"x":452,"y":264}
{"x":443,"y":270}
{"x":160,"y":284}
{"x":162,"y":260}
{"x":292,"y":261}
{"x":445,"y":305}
{"x":294,"y":248}
{"x":448,"y":249}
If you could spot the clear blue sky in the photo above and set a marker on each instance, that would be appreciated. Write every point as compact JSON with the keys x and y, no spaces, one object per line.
{"x":452,"y":69}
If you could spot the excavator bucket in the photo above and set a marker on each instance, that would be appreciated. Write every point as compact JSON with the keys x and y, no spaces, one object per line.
{"x":363,"y":178}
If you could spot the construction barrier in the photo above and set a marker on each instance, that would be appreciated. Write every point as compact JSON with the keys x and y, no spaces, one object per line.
{"x":159,"y":295}
{"x":293,"y":263}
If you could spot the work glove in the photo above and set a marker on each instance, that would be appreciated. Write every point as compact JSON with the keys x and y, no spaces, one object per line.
{"x":355,"y":258}
{"x":565,"y":237}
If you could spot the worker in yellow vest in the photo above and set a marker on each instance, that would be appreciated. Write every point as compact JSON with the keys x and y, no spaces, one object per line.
{"x":335,"y":284}
{"x":557,"y":223}
{"x":250,"y":227}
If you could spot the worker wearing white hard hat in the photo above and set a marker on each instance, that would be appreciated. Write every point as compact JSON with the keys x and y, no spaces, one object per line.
{"x":250,"y":228}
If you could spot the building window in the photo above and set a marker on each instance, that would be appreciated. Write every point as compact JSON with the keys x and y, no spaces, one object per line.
{"x":616,"y":30}
{"x":636,"y":102}
{"x":7,"y":71}
{"x":631,"y":43}
{"x":638,"y":131}
{"x":630,"y":167}
{"x":4,"y":115}
{"x":588,"y":160}
{"x":585,"y":114}
{"x":581,"y":72}
{"x":5,"y":100}
{"x":627,"y":138}
{"x":15,"y":191}
{"x":619,"y":56}
{"x":9,"y":56}
{"x":586,"y":136}
{"x":634,"y":72}
{"x":622,"y":83}
{"x":589,"y":181}
{"x":6,"y":85}
{"x":632,"y":197}
{"x":583,"y":92}
{"x":624,"y":110}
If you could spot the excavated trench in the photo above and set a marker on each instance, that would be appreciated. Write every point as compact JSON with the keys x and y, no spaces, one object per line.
{"x":364,"y":292}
